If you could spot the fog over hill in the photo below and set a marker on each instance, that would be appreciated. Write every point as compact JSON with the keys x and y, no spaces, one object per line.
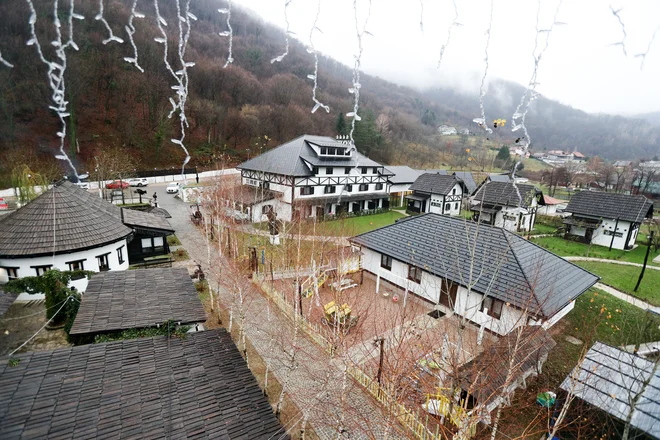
{"x":230,"y":110}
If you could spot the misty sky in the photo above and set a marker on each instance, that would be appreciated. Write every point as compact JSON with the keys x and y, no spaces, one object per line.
{"x":579,"y":68}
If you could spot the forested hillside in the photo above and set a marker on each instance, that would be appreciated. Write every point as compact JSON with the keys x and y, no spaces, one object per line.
{"x":230,"y":110}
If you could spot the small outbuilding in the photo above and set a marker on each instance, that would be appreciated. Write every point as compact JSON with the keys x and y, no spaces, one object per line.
{"x":134,"y":299}
{"x":607,"y":219}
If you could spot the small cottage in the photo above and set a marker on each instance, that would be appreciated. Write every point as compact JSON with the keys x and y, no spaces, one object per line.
{"x":607,"y":219}
{"x":438,"y":193}
{"x":507,"y":205}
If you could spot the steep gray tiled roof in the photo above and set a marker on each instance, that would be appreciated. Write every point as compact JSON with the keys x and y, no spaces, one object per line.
{"x":609,"y":378}
{"x":433,"y":183}
{"x":141,"y":219}
{"x":505,"y":194}
{"x":611,"y":206}
{"x":193,"y":387}
{"x":499,"y":178}
{"x":505,"y":266}
{"x":121,"y":300}
{"x":468,"y":179}
{"x":82,"y":220}
{"x":290,"y":158}
{"x":403,"y":174}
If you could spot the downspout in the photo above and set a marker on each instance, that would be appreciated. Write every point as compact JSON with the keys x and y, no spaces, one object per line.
{"x":616,"y":225}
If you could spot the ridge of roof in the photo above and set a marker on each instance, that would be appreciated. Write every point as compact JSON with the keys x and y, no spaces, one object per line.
{"x":81,"y":221}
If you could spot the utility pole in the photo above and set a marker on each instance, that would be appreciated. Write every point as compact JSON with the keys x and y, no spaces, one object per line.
{"x":646,"y":259}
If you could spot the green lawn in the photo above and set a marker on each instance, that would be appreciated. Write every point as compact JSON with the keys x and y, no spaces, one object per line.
{"x":624,"y":278}
{"x":350,"y":226}
{"x":540,"y":228}
{"x":598,"y":316}
{"x":565,"y":248}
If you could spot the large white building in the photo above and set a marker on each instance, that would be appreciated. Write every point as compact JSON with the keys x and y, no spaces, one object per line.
{"x":506,"y":205}
{"x":607,"y":219}
{"x":513,"y":282}
{"x":312,"y":176}
{"x":68,"y":228}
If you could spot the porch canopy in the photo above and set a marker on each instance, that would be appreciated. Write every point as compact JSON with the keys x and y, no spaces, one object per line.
{"x":418,"y":197}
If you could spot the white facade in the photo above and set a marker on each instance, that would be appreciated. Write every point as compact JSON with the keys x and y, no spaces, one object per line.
{"x":332,"y":183}
{"x":447,"y":205}
{"x":25,"y":267}
{"x":468,"y":304}
{"x":511,"y":218}
{"x":624,"y":232}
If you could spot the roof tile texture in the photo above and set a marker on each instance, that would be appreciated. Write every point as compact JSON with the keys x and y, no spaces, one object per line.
{"x":80,"y":220}
{"x":195,"y":387}
{"x":505,"y":266}
{"x":609,"y":205}
{"x":120,"y":300}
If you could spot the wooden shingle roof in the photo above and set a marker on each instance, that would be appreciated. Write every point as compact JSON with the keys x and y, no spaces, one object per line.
{"x":79,"y":219}
{"x":193,"y":387}
{"x":610,"y":206}
{"x":120,"y":300}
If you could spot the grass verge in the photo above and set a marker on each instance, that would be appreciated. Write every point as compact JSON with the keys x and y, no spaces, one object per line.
{"x":625,"y":278}
{"x":566,"y":248}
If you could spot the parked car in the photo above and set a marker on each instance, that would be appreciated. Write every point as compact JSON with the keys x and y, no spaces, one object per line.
{"x":138,"y":181}
{"x":3,"y":204}
{"x":117,"y":184}
{"x":173,"y":188}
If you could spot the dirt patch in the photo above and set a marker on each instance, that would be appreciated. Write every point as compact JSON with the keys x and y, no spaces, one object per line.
{"x":21,"y":321}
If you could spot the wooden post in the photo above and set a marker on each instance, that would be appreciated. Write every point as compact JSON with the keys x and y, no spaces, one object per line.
{"x":616,"y":225}
{"x":646,"y":259}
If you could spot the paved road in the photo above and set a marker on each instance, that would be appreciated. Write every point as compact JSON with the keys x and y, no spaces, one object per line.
{"x":315,"y":383}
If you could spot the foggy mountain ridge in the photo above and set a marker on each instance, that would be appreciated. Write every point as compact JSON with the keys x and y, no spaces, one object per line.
{"x":113,"y":105}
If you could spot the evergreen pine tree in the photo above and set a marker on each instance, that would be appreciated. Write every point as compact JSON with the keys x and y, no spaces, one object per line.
{"x":341,"y":125}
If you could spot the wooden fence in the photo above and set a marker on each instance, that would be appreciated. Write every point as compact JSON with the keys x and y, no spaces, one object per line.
{"x":411,"y":420}
{"x":406,"y":417}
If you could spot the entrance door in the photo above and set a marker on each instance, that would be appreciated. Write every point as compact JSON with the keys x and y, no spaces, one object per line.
{"x":448,"y":294}
{"x":319,"y":212}
{"x":588,"y":235}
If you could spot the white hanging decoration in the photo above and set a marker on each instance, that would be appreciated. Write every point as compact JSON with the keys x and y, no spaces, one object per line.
{"x":56,"y":70}
{"x":314,"y":77}
{"x":453,"y":24}
{"x":180,"y":76}
{"x":356,"y":70}
{"x":520,"y":114}
{"x":130,"y":31}
{"x":621,"y":43}
{"x":288,"y":32}
{"x":229,"y":33}
{"x":5,"y":62}
{"x":648,"y":49}
{"x":101,"y":18}
{"x":482,"y":88}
